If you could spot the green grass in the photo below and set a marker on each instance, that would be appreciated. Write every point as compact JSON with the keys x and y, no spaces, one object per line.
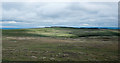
{"x":60,"y":32}
{"x":60,"y":44}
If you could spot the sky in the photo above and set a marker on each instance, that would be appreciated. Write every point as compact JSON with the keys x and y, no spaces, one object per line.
{"x":72,"y":14}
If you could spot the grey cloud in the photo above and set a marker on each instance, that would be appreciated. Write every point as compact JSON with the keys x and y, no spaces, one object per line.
{"x":73,"y":14}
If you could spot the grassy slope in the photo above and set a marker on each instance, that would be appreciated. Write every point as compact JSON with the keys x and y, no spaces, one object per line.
{"x":60,"y":32}
{"x":60,"y":44}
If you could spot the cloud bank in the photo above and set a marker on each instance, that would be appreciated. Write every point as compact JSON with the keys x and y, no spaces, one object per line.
{"x":28,"y":14}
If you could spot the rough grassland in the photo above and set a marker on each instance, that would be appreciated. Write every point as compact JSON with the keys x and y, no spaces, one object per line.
{"x":60,"y":44}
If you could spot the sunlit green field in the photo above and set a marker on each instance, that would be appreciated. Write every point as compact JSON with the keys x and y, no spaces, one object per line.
{"x":60,"y":44}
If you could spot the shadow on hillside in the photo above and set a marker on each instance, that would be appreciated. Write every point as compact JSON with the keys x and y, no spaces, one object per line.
{"x":20,"y":33}
{"x":93,"y":32}
{"x":24,"y":35}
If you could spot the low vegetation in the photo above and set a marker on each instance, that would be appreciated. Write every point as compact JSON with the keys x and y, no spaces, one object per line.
{"x":60,"y":32}
{"x":60,"y":44}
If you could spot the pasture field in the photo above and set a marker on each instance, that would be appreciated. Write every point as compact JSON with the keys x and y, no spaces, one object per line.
{"x":60,"y":44}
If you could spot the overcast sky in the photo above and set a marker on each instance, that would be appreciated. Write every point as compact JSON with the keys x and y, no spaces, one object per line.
{"x":26,"y":14}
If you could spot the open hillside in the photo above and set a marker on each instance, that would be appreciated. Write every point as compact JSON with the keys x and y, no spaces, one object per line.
{"x":60,"y":32}
{"x":60,"y":44}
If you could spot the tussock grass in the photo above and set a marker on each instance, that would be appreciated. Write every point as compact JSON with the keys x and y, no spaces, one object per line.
{"x":60,"y":44}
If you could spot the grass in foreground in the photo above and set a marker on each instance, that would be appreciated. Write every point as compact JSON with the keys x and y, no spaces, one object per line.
{"x":60,"y":44}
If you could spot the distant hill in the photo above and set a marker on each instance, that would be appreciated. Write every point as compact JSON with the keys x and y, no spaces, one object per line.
{"x":71,"y":27}
{"x":84,"y":27}
{"x":67,"y":32}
